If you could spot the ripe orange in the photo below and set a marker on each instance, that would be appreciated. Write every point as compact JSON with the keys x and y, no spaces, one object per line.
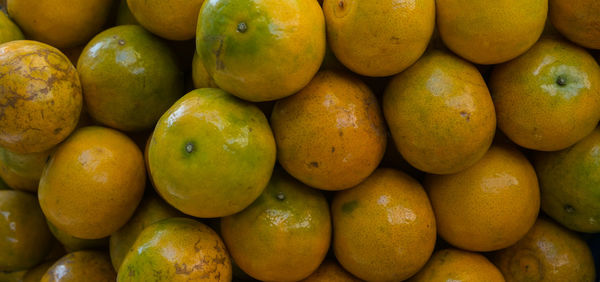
{"x":200,"y":76}
{"x":35,"y":274}
{"x":9,"y":31}
{"x":458,"y":265}
{"x":330,"y":271}
{"x":577,"y":20}
{"x":81,"y":266}
{"x":171,"y":19}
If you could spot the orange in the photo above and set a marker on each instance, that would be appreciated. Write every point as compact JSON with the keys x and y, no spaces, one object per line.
{"x":92,"y":183}
{"x":129,"y":77}
{"x":40,"y":97}
{"x":200,"y":76}
{"x":548,"y":98}
{"x":72,"y":244}
{"x":548,"y":252}
{"x":35,"y":274}
{"x":60,"y":23}
{"x":331,"y":135}
{"x":24,"y":236}
{"x":81,"y":266}
{"x":261,"y":50}
{"x":384,"y":228}
{"x":9,"y":31}
{"x":490,"y":32}
{"x":458,"y":265}
{"x":171,"y":19}
{"x":177,"y":249}
{"x":124,"y":15}
{"x":330,"y":271}
{"x":379,"y":38}
{"x":577,"y":20}
{"x":489,"y":205}
{"x":284,"y":235}
{"x":440,"y":114}
{"x":22,"y":171}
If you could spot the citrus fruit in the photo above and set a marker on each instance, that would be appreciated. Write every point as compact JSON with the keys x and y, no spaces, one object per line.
{"x":379,"y":38}
{"x":81,"y":266}
{"x":9,"y":31}
{"x":41,"y":96}
{"x":35,"y":274}
{"x":577,"y":20}
{"x":440,"y":114}
{"x":458,"y":265}
{"x":384,"y":228}
{"x":72,"y":244}
{"x":261,"y":50}
{"x":200,"y":76}
{"x":170,"y":19}
{"x":282,"y":236}
{"x":22,"y":171}
{"x":330,"y":271}
{"x":331,"y":135}
{"x":92,"y":183}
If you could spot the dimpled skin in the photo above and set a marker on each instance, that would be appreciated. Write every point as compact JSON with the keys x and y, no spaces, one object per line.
{"x":9,"y":31}
{"x":40,"y":96}
{"x":22,"y":171}
{"x":331,"y":135}
{"x":458,"y":265}
{"x":170,"y":19}
{"x":384,"y":228}
{"x":490,"y":32}
{"x":92,"y":183}
{"x":379,"y":38}
{"x":440,"y":114}
{"x":548,"y":98}
{"x":93,"y":266}
{"x":177,"y":249}
{"x":549,"y":252}
{"x":330,"y":271}
{"x":489,"y":205}
{"x":577,"y":20}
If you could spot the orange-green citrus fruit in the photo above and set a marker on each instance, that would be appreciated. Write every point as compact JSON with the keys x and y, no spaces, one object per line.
{"x":577,"y":20}
{"x":171,"y":19}
{"x":458,"y":265}
{"x":9,"y":31}
{"x":93,"y":266}
{"x":22,"y":171}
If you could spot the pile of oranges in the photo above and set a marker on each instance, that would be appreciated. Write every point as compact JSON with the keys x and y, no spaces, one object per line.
{"x":335,"y":140}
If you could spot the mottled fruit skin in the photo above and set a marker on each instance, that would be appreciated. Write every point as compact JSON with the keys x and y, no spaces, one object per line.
{"x":548,"y":98}
{"x":490,"y":32}
{"x":284,"y":235}
{"x":577,"y":20}
{"x":92,"y":183}
{"x":40,"y":96}
{"x":261,"y":50}
{"x":548,"y":252}
{"x":384,"y":228}
{"x":458,"y":265}
{"x":379,"y":38}
{"x":489,"y":205}
{"x":330,"y":271}
{"x":211,"y":154}
{"x":570,"y":184}
{"x":440,"y":114}
{"x":93,"y":266}
{"x":129,"y":77}
{"x":170,"y":19}
{"x":73,"y":244}
{"x":22,"y":171}
{"x":177,"y":249}
{"x":9,"y":31}
{"x":331,"y":135}
{"x":24,"y":236}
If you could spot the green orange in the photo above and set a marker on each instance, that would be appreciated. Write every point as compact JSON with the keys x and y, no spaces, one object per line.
{"x":458,"y":265}
{"x":81,"y":266}
{"x":73,"y":244}
{"x":35,"y":274}
{"x":577,"y":20}
{"x":9,"y":31}
{"x":200,"y":76}
{"x":22,"y":171}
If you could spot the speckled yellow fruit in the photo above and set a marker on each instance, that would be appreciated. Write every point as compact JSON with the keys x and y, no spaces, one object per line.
{"x":200,"y":76}
{"x":458,"y":265}
{"x":35,"y":274}
{"x":489,"y":205}
{"x":9,"y":31}
{"x":384,"y":228}
{"x":379,"y":38}
{"x":577,"y":20}
{"x":73,"y":244}
{"x":92,"y":183}
{"x":171,"y":19}
{"x":22,"y":171}
{"x":440,"y":113}
{"x":40,"y":97}
{"x":490,"y":32}
{"x":177,"y":249}
{"x":81,"y":266}
{"x":331,"y":135}
{"x":330,"y":271}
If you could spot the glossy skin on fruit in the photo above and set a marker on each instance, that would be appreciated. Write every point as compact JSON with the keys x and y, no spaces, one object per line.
{"x":331,"y":135}
{"x":284,"y":235}
{"x":177,"y":249}
{"x":330,"y":271}
{"x":129,"y":77}
{"x":9,"y":31}
{"x":490,"y":32}
{"x":379,"y":38}
{"x":261,"y":50}
{"x":549,"y":252}
{"x":92,"y":183}
{"x":35,"y":274}
{"x":40,"y":96}
{"x":548,"y":98}
{"x":77,"y":23}
{"x":458,"y":265}
{"x":211,"y":154}
{"x":24,"y":236}
{"x":73,"y":244}
{"x":22,"y":171}
{"x":200,"y":76}
{"x":170,"y":19}
{"x":81,"y":266}
{"x":489,"y":205}
{"x":384,"y":228}
{"x":569,"y":184}
{"x":577,"y":20}
{"x":440,"y":114}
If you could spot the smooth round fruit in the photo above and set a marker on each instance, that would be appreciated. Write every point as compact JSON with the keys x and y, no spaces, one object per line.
{"x":261,"y":50}
{"x":24,"y":236}
{"x":440,"y":114}
{"x":22,"y":171}
{"x":548,"y":98}
{"x":81,"y":266}
{"x":384,"y":228}
{"x":35,"y":274}
{"x":330,"y":271}
{"x":171,"y":19}
{"x":211,"y":154}
{"x":41,"y":96}
{"x":379,"y":38}
{"x":490,"y":32}
{"x":331,"y":135}
{"x":284,"y":235}
{"x":9,"y":31}
{"x":200,"y":76}
{"x":548,"y":252}
{"x":73,"y":244}
{"x":92,"y":183}
{"x":488,"y":206}
{"x":129,"y":77}
{"x":577,"y":20}
{"x":458,"y":265}
{"x":177,"y":249}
